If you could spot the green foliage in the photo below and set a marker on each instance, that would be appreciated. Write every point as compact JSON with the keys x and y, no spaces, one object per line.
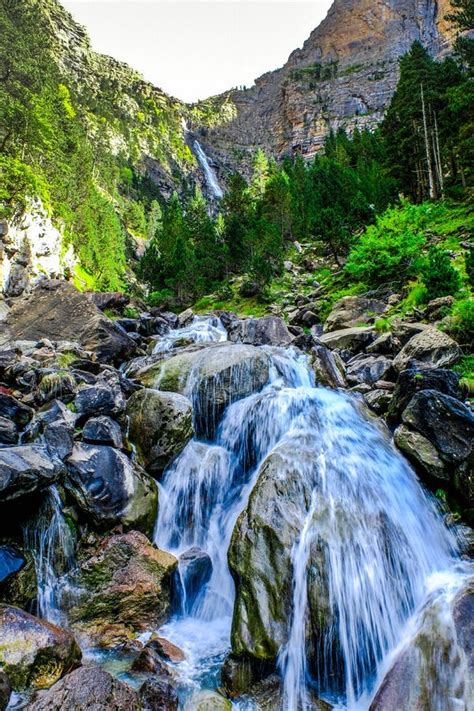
{"x":18,"y":184}
{"x":469,"y":261}
{"x":439,"y":276}
{"x":461,"y":322}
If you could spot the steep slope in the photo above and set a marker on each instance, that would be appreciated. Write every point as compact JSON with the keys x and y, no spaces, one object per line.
{"x":344,"y":75}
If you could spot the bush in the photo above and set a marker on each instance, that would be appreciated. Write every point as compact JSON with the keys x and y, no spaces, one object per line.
{"x":439,"y":275}
{"x":461,"y":322}
{"x":470,"y":266}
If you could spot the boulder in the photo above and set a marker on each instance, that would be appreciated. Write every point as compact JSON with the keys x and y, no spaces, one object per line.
{"x":213,"y":376}
{"x":431,"y":348}
{"x":207,"y":701}
{"x":8,"y":431}
{"x":34,"y":652}
{"x":158,"y":694}
{"x":437,"y":308}
{"x":412,"y":380}
{"x":435,"y":669}
{"x":56,"y":310}
{"x":59,"y":438}
{"x":88,"y":688}
{"x":105,"y":397}
{"x":11,"y":561}
{"x":14,"y":410}
{"x":25,"y":470}
{"x":150,"y":661}
{"x":378,"y":400}
{"x":385,"y":344}
{"x":367,"y":368}
{"x":353,"y":311}
{"x":166,"y":649}
{"x":195,"y":567}
{"x":351,"y":339}
{"x":185,"y":318}
{"x":102,"y":430}
{"x":446,"y":423}
{"x":114,"y":300}
{"x":127,"y":588}
{"x":109,"y":489}
{"x":160,"y":426}
{"x":420,"y":452}
{"x":265,"y":331}
{"x":328,"y":368}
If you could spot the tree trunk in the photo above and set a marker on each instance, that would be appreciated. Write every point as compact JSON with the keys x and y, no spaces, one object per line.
{"x":429,"y":162}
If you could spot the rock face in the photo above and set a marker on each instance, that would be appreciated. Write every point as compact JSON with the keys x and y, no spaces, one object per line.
{"x":353,"y":311}
{"x":25,"y":470}
{"x":87,"y":689}
{"x":430,"y":348}
{"x":34,"y":652}
{"x":109,"y":489}
{"x":57,"y":311}
{"x":344,"y":75}
{"x":161,"y":424}
{"x":127,"y":584}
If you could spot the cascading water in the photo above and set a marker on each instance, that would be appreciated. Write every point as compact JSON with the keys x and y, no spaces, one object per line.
{"x":367,"y":514}
{"x":211,"y":178}
{"x":49,"y":539}
{"x":201,"y":330}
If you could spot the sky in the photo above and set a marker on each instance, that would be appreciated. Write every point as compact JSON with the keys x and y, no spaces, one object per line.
{"x":193,"y":49}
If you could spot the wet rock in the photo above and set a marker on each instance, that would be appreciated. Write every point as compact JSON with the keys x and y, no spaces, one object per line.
{"x":14,"y":410}
{"x":241,"y":674}
{"x":268,"y":330}
{"x":102,"y":430}
{"x":166,"y":649}
{"x":158,"y":694}
{"x":386,"y":344}
{"x":420,"y":452}
{"x":109,"y":489}
{"x":350,"y":339}
{"x":150,"y":661}
{"x":5,"y":691}
{"x":431,"y":347}
{"x":207,"y":701}
{"x":378,"y":400}
{"x":153,"y":326}
{"x":127,"y":583}
{"x":56,"y":310}
{"x":412,"y":380}
{"x":105,"y":397}
{"x":353,"y":311}
{"x":445,"y":422}
{"x":26,"y":469}
{"x":195,"y":571}
{"x":59,"y":438}
{"x":59,"y":384}
{"x":11,"y":561}
{"x":113,"y":300}
{"x":185,"y":318}
{"x":34,"y":652}
{"x":88,"y":688}
{"x":367,"y":368}
{"x":328,"y":367}
{"x":8,"y":431}
{"x":160,"y":426}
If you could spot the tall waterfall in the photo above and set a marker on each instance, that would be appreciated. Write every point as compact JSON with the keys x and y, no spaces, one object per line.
{"x":368,"y":515}
{"x":209,"y":173}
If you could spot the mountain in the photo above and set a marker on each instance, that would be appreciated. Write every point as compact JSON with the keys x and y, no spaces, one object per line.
{"x":344,"y":76}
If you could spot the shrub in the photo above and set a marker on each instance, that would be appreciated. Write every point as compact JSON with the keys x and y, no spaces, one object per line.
{"x":439,"y":275}
{"x":470,"y":266}
{"x":461,"y":322}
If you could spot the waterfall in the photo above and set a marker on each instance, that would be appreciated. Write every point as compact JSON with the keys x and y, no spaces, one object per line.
{"x":49,"y":539}
{"x":368,"y":516}
{"x":201,"y":330}
{"x":209,"y":173}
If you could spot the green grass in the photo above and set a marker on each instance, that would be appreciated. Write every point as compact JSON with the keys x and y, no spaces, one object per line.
{"x":83,"y":281}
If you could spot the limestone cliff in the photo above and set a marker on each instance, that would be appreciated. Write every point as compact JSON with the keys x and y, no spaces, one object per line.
{"x":344,"y":75}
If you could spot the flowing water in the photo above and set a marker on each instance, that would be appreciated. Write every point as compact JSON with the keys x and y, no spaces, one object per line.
{"x":209,"y":173}
{"x":368,"y":518}
{"x":201,"y":330}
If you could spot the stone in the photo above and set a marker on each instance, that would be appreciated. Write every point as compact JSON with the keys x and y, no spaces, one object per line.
{"x":11,"y":561}
{"x":195,"y":568}
{"x":102,"y":430}
{"x":157,"y":694}
{"x":33,"y":652}
{"x":160,"y":426}
{"x":351,"y":339}
{"x":328,"y":367}
{"x":385,"y":344}
{"x":113,"y":300}
{"x":59,"y":438}
{"x":109,"y":489}
{"x":265,"y":331}
{"x":367,"y":368}
{"x":353,"y":311}
{"x":127,"y":588}
{"x":56,"y":310}
{"x":151,"y":662}
{"x":88,"y":688}
{"x":105,"y":397}
{"x":166,"y":649}
{"x":207,"y":701}
{"x":26,"y":469}
{"x":14,"y":410}
{"x":5,"y":691}
{"x":437,"y":308}
{"x":185,"y":318}
{"x":412,"y":380}
{"x":421,"y":453}
{"x":446,"y":423}
{"x":431,"y":348}
{"x":8,"y":431}
{"x":378,"y":400}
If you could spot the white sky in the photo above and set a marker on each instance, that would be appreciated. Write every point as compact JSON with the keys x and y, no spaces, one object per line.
{"x":195,"y":48}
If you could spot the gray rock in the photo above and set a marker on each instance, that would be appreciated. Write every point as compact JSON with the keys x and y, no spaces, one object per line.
{"x":102,"y":430}
{"x":25,"y":470}
{"x":103,"y":398}
{"x":5,"y":691}
{"x":8,"y":431}
{"x":265,"y":331}
{"x":412,"y":380}
{"x":108,"y":299}
{"x":328,"y":367}
{"x":59,"y":438}
{"x":351,"y":339}
{"x":195,"y":568}
{"x":367,"y":368}
{"x":185,"y":318}
{"x":378,"y":400}
{"x":421,"y":452}
{"x":11,"y":561}
{"x":431,"y":348}
{"x":14,"y":410}
{"x":385,"y":344}
{"x":353,"y":311}
{"x":109,"y":489}
{"x":160,"y":426}
{"x":158,"y":694}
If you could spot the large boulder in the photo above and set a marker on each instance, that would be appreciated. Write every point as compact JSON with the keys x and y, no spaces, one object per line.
{"x":353,"y":311}
{"x":25,"y":470}
{"x":160,"y":426}
{"x":126,"y":583}
{"x":431,"y":348}
{"x":213,"y":377}
{"x":57,"y":311}
{"x":420,"y":452}
{"x":102,"y":430}
{"x":110,"y":489}
{"x":34,"y":652}
{"x":104,"y":397}
{"x":88,"y":688}
{"x":158,"y":694}
{"x":353,"y":340}
{"x":265,"y":331}
{"x":14,"y":410}
{"x":435,"y":669}
{"x":367,"y":368}
{"x":412,"y":380}
{"x":328,"y":368}
{"x":207,"y":701}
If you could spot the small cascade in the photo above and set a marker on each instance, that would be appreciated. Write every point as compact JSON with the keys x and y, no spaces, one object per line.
{"x":201,"y":330}
{"x":209,"y":173}
{"x":49,"y":539}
